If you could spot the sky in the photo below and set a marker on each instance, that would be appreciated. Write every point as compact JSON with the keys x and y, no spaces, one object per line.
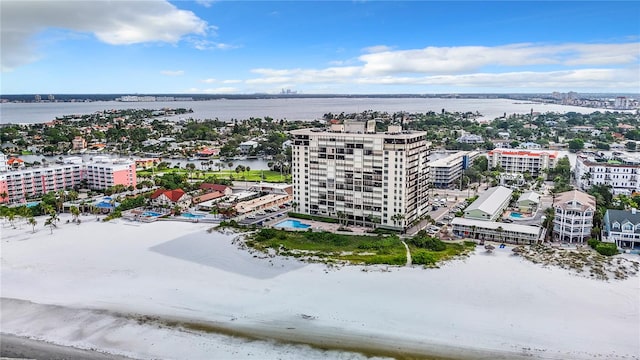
{"x":318,"y":47}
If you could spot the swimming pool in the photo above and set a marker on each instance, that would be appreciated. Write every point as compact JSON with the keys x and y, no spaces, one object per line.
{"x":32,"y":204}
{"x":516,"y":215}
{"x":192,"y":216}
{"x":292,"y":224}
{"x":151,"y":213}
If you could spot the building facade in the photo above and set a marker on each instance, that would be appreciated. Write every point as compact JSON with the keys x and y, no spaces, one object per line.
{"x":446,"y":172}
{"x":622,"y":227}
{"x":496,"y":231}
{"x":521,"y":161}
{"x":622,"y":173}
{"x":573,"y":216}
{"x":489,"y":205}
{"x":32,"y":182}
{"x":359,"y":176}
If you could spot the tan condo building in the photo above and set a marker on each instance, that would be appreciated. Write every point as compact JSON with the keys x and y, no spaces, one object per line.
{"x":362,"y":177}
{"x":521,"y":161}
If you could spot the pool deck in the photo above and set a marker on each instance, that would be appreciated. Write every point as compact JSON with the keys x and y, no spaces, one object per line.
{"x":319,"y":226}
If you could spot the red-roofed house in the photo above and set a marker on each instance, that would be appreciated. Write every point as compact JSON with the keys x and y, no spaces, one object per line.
{"x":208,"y":196}
{"x":216,"y":187}
{"x":162,"y":197}
{"x":15,"y":163}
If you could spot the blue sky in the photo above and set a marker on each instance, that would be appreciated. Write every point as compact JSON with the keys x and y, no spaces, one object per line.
{"x":364,"y":47}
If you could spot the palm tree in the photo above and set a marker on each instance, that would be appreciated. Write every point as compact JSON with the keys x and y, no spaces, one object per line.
{"x":500,"y":230}
{"x":230,"y":165}
{"x":549,"y":214}
{"x":51,"y":221}
{"x":398,"y":218}
{"x":72,"y":195}
{"x":32,"y":221}
{"x":341,"y":217}
{"x":12,"y":217}
{"x":75,"y":212}
{"x":4,"y":195}
{"x":60,"y":199}
{"x":190,"y":167}
{"x":247,"y":169}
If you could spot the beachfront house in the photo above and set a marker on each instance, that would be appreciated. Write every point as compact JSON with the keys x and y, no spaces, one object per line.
{"x":171,"y":198}
{"x":622,"y":227}
{"x":490,"y":205}
{"x":573,"y":217}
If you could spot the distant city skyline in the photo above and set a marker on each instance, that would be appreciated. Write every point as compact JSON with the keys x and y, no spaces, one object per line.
{"x":313,"y":47}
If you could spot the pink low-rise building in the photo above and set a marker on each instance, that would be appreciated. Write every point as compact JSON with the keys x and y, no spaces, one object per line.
{"x":20,"y":185}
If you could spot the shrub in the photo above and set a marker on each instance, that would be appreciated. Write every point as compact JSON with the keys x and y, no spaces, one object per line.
{"x":608,"y":249}
{"x":388,"y":260}
{"x":423,"y":257}
{"x":428,"y":242}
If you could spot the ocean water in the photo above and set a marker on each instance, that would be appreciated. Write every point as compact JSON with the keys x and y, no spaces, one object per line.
{"x":290,"y":109}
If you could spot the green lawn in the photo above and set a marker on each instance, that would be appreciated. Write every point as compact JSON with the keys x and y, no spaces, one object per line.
{"x":357,"y":249}
{"x":422,"y":256}
{"x":253,"y":175}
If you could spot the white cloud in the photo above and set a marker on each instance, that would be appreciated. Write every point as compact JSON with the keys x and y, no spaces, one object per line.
{"x":205,"y":3}
{"x":112,"y":22}
{"x":376,"y":49}
{"x":514,"y":66}
{"x":203,"y":44}
{"x":172,"y":72}
{"x":231,"y":81}
{"x":208,"y":81}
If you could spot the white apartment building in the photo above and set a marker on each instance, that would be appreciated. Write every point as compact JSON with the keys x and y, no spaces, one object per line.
{"x":496,"y":231}
{"x":352,"y":173}
{"x":521,"y":161}
{"x":3,"y":162}
{"x":573,"y":217}
{"x":446,"y":172}
{"x":621,"y":173}
{"x":22,"y":184}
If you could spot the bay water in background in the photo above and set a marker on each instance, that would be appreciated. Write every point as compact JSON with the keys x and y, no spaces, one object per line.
{"x":305,"y":109}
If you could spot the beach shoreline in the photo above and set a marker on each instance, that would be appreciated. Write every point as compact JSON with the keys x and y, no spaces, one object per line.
{"x":179,"y":276}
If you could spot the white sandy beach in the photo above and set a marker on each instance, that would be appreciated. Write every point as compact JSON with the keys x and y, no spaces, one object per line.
{"x":87,"y":286}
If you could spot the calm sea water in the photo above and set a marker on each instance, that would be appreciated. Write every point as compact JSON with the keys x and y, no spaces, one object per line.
{"x":290,"y":109}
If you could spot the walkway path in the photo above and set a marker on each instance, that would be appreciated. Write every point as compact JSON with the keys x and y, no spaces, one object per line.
{"x":408,"y":253}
